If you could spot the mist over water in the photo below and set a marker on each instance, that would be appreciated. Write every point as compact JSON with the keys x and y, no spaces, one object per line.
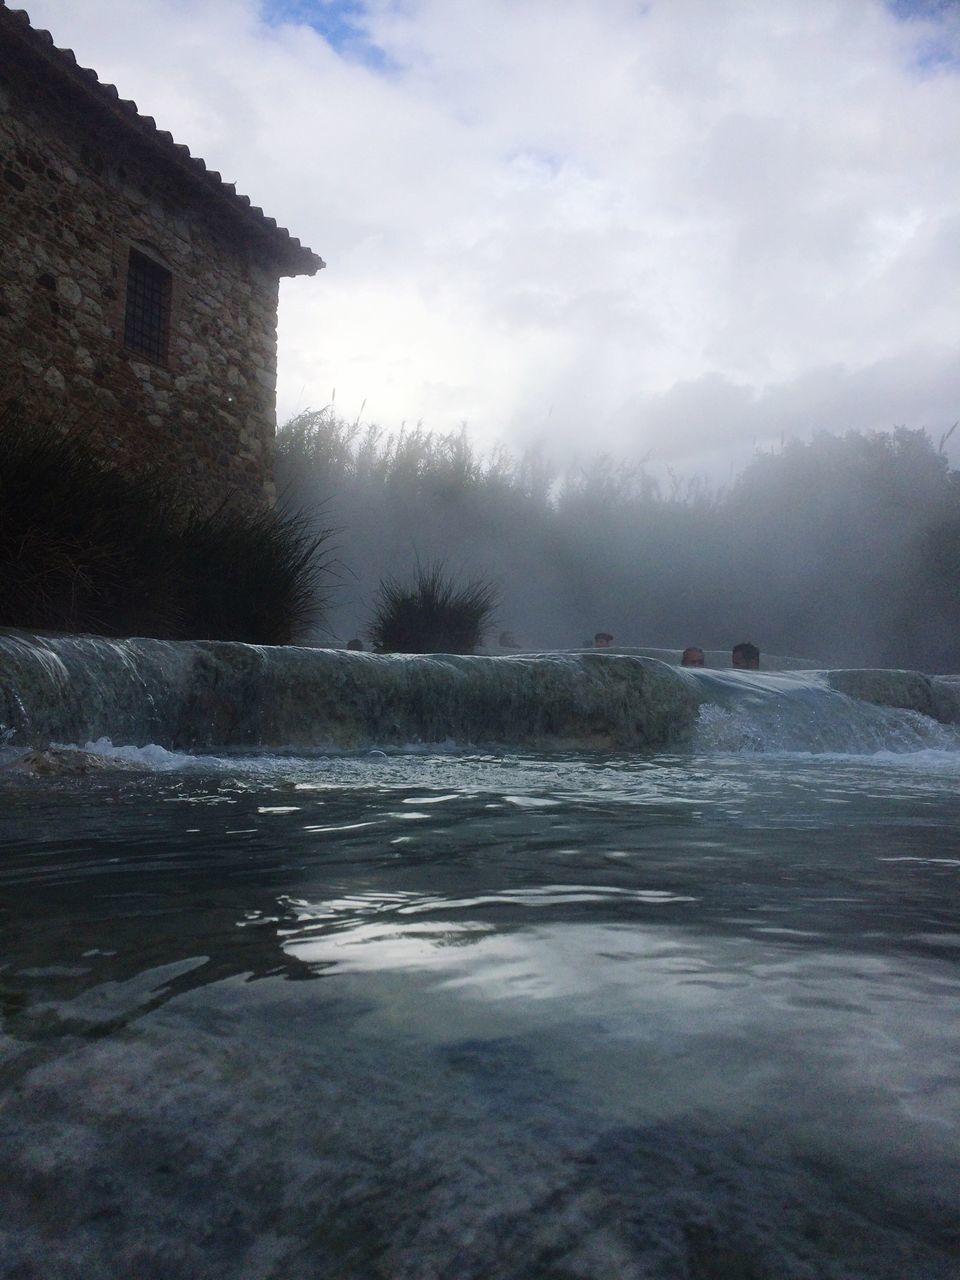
{"x":844,"y":550}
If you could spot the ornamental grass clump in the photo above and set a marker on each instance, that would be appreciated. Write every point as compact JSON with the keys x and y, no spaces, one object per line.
{"x":86,"y":547}
{"x":257,"y":575}
{"x":432,"y":614}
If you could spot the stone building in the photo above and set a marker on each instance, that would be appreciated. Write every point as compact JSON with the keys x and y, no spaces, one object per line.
{"x":138,"y":291}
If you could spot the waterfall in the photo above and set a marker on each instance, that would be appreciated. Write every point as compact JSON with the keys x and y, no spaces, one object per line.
{"x":211,"y":694}
{"x":849,"y":712}
{"x":205,"y":694}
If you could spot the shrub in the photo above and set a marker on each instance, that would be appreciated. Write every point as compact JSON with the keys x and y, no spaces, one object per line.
{"x":87,"y":547}
{"x":431,"y":615}
{"x":255,"y":575}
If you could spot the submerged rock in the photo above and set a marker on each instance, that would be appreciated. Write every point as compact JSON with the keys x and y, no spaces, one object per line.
{"x":58,"y":762}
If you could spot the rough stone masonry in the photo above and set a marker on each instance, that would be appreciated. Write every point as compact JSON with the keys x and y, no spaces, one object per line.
{"x":138,"y":291}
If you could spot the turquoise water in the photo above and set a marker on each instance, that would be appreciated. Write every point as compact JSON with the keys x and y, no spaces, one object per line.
{"x":460,"y":1014}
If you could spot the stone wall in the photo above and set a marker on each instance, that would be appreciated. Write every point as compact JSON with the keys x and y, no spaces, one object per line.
{"x":77,"y":191}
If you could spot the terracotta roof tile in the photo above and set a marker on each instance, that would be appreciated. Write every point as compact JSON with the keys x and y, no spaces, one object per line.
{"x":295,"y":258}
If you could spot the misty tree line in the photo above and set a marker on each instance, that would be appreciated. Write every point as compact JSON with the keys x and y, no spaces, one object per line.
{"x":845,"y":549}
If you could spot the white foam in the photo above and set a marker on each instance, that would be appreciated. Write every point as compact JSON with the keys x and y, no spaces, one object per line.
{"x":826,"y":724}
{"x":154,"y":757}
{"x":150,"y":756}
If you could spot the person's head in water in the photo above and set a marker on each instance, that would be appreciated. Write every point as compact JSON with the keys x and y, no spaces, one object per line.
{"x":602,"y":640}
{"x":356,"y":643}
{"x":746,"y":656}
{"x":692,"y":656}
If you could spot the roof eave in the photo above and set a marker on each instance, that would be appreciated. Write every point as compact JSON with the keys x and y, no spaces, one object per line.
{"x":284,"y":250}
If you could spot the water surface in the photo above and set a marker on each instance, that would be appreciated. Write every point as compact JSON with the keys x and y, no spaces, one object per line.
{"x":463,"y":1014}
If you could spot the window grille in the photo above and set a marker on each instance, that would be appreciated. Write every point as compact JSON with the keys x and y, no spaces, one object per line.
{"x":147,"y":323}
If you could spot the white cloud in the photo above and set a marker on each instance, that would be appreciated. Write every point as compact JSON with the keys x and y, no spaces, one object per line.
{"x":668,"y":228}
{"x":715,"y":421}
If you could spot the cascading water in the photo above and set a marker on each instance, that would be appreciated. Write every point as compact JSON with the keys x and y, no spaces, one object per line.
{"x":209,"y":695}
{"x":234,"y":695}
{"x":324,"y":965}
{"x":743,"y":711}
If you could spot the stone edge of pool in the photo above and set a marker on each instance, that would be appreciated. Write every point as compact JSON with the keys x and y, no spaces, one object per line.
{"x":207,"y":694}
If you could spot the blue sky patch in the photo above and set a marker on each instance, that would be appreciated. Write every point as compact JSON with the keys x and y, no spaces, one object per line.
{"x":906,"y":9}
{"x":342,"y":23}
{"x":941,"y":51}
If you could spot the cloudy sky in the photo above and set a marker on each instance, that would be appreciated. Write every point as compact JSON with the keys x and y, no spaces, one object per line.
{"x":673,"y":229}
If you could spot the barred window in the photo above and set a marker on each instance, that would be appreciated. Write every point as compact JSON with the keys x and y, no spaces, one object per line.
{"x":147,"y":324}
